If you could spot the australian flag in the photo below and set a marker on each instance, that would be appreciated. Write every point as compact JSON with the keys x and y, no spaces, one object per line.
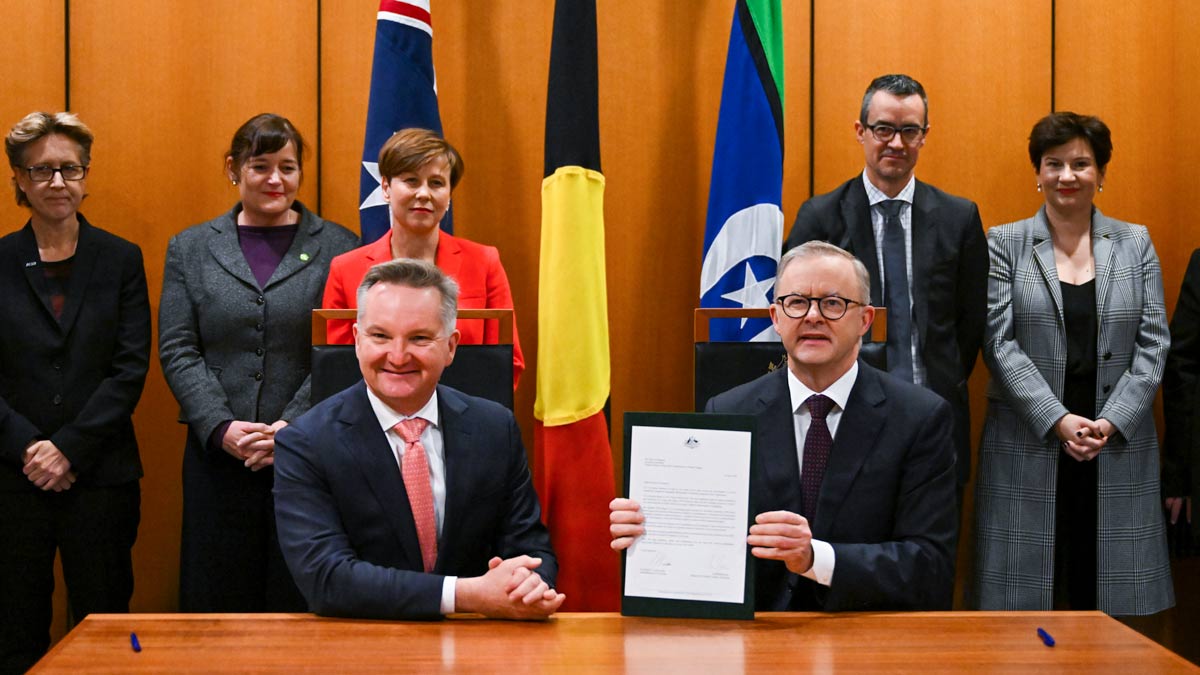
{"x":744,"y":227}
{"x":403,"y":94}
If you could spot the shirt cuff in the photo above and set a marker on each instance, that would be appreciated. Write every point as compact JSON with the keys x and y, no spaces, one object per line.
{"x":448,"y":595}
{"x":823,"y":560}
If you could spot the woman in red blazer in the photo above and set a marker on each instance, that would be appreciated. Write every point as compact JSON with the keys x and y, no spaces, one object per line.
{"x":419,"y":169}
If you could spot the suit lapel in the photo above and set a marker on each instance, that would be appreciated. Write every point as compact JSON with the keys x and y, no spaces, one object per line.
{"x":365,"y":443}
{"x":449,"y":255}
{"x":304,"y":249}
{"x":777,"y":457}
{"x":924,"y":235}
{"x":86,"y":255}
{"x":31,"y":260}
{"x":1104,"y":252}
{"x":1043,"y":253}
{"x":456,"y":450}
{"x":227,"y":251}
{"x":856,"y":214}
{"x":857,"y":435}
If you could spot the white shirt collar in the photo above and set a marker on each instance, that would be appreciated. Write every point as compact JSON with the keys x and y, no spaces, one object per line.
{"x":839,"y":391}
{"x":389,"y":418}
{"x":875,"y":195}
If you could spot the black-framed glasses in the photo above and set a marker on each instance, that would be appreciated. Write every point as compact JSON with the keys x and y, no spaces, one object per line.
{"x":884,"y":133}
{"x":832,"y":307}
{"x":45,"y":174}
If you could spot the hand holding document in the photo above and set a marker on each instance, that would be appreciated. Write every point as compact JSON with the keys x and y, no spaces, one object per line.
{"x":693,"y":489}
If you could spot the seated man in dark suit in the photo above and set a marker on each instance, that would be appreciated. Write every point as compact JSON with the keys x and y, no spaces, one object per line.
{"x":403,"y":499}
{"x":854,"y":478}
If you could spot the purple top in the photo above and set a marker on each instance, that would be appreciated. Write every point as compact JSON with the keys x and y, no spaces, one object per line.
{"x":264,"y":247}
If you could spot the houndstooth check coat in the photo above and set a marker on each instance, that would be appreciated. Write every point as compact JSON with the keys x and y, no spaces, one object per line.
{"x":1025,"y":350}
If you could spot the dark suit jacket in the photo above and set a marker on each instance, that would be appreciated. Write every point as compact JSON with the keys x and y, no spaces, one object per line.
{"x":886,"y":503}
{"x":344,"y":521}
{"x":950,"y":261}
{"x":74,"y":380}
{"x":1181,"y":392}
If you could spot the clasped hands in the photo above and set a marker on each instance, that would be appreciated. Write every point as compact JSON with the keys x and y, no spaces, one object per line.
{"x":1082,"y":438}
{"x":47,"y":468}
{"x":510,"y":589}
{"x":775,"y":535}
{"x":252,"y":442}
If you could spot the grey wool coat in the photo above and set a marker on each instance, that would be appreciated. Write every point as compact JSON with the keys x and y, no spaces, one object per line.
{"x":1025,"y":350}
{"x":232,"y":350}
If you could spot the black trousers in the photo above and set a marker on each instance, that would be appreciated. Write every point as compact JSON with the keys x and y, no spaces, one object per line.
{"x":94,"y":529}
{"x":230,"y":559}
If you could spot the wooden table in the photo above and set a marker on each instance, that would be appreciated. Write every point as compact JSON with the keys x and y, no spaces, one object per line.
{"x":1088,"y":642}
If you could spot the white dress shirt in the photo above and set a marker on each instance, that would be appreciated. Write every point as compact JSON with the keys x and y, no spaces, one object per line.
{"x":435,"y":455}
{"x":874,"y":197}
{"x":839,"y":392}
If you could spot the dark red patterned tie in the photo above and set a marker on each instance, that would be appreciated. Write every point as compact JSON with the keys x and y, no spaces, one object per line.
{"x":817,"y":443}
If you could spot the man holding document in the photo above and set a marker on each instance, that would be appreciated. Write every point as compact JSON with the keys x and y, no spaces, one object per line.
{"x":405,"y":499}
{"x":853,"y":485}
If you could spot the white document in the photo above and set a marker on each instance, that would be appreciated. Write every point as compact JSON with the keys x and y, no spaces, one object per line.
{"x":694,"y":487}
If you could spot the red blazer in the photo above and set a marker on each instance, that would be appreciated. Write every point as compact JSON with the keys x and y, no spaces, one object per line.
{"x":481,"y":281}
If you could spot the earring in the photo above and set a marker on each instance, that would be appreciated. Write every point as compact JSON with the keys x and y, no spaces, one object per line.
{"x":233,"y":181}
{"x":1039,"y":187}
{"x":1102,"y":187}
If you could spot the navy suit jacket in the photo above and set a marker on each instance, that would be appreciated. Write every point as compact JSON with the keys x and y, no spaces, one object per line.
{"x":886,"y":503}
{"x":343,"y":515}
{"x":949,"y":289}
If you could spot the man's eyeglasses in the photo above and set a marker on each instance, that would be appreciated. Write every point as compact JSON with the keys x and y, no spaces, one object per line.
{"x":45,"y":174}
{"x":832,"y":307}
{"x":884,"y":133}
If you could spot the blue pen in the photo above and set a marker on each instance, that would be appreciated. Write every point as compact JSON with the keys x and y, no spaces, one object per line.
{"x":1046,"y":639}
{"x":137,"y":646}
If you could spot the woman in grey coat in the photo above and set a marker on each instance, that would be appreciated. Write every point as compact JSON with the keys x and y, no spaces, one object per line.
{"x":234,"y":327}
{"x":1067,"y":502}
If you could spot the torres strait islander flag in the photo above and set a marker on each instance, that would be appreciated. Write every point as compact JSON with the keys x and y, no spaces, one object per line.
{"x":572,"y":456}
{"x":743,"y":231}
{"x":403,"y":94}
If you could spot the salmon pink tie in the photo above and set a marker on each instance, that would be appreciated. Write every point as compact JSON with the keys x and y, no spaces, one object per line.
{"x":415,"y":470}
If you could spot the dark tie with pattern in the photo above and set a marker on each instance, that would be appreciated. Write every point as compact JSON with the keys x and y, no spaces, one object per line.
{"x":817,"y":443}
{"x":895,"y":283}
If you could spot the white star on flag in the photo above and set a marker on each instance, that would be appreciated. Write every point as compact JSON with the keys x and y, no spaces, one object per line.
{"x":376,"y":197}
{"x":753,"y":292}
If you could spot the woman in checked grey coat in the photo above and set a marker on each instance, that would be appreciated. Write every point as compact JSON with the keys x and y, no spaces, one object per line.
{"x":1067,"y":502}
{"x":234,"y":325}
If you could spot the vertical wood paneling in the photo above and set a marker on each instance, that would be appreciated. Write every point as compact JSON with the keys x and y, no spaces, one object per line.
{"x":347,"y":47}
{"x":164,"y":85}
{"x":32,"y":62}
{"x":1135,"y":65}
{"x":986,"y":70}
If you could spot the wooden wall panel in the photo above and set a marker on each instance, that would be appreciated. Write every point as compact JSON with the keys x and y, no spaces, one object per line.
{"x":347,"y":39}
{"x":164,"y":86}
{"x":33,"y":63}
{"x":986,"y":70}
{"x":1145,"y":91}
